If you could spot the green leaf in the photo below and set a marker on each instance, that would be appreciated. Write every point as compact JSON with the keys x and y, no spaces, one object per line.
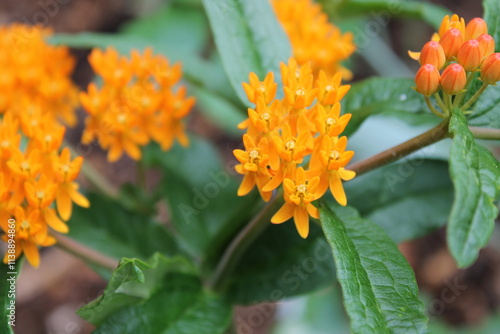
{"x":249,"y":39}
{"x":159,"y":296}
{"x":384,"y":96}
{"x":201,"y":194}
{"x":379,"y":287}
{"x":117,"y":232}
{"x":485,"y":110}
{"x":408,"y":199}
{"x":8,"y":277}
{"x":292,"y":266}
{"x":491,"y":15}
{"x":387,"y":9}
{"x":476,"y":177}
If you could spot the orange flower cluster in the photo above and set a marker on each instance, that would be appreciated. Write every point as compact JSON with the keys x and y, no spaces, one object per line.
{"x":313,"y":38}
{"x":460,"y":51}
{"x":136,"y":103}
{"x":283,"y":133}
{"x":35,"y":77}
{"x":33,"y":177}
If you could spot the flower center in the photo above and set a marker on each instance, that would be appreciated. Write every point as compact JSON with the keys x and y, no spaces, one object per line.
{"x":265,"y":116}
{"x":330,"y":121}
{"x":290,"y":145}
{"x":334,"y":155}
{"x":25,"y":165}
{"x":301,"y":189}
{"x":262,"y":88}
{"x":25,"y":225}
{"x":40,"y":194}
{"x":48,"y":138}
{"x":121,"y":118}
{"x":253,"y":154}
{"x":5,"y":143}
{"x":300,"y":92}
{"x":329,"y":88}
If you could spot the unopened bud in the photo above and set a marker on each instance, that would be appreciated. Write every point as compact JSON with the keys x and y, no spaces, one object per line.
{"x":451,"y":43}
{"x":469,"y":55}
{"x":427,"y":80}
{"x":490,"y":69}
{"x":486,"y":44}
{"x":475,"y":28}
{"x":453,"y":79}
{"x":433,"y":53}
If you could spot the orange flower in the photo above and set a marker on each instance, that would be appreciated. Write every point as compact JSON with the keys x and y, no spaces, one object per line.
{"x":257,"y":89}
{"x":253,"y":165}
{"x":299,"y":193}
{"x":329,"y":165}
{"x":137,"y":103}
{"x":313,"y":38}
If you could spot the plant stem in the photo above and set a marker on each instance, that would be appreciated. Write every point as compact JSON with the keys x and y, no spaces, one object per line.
{"x":85,"y":253}
{"x":241,"y":242}
{"x":440,"y":103}
{"x":94,"y":177}
{"x":485,"y":133}
{"x":397,"y":152}
{"x":474,"y":97}
{"x":432,"y":108}
{"x":141,"y":175}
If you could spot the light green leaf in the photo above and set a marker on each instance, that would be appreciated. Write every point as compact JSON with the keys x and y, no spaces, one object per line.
{"x":491,"y":15}
{"x":201,"y":194}
{"x":379,"y":287}
{"x":8,"y":277}
{"x":485,"y":110}
{"x":408,"y":199}
{"x":384,"y":96}
{"x":249,"y":39}
{"x":292,"y":266}
{"x":117,"y":232}
{"x":159,"y":296}
{"x":476,"y":177}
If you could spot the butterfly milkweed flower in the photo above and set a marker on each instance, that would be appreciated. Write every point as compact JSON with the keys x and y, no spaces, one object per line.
{"x":137,"y":102}
{"x":294,"y":141}
{"x":35,"y":78}
{"x":450,"y":63}
{"x":313,"y":38}
{"x":37,"y":178}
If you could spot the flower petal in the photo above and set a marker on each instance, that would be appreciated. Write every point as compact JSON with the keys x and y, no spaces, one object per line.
{"x":31,"y":252}
{"x":247,"y":184}
{"x":284,"y":213}
{"x":301,"y":218}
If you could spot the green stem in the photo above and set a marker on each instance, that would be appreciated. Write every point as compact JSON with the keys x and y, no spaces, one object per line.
{"x":141,"y":175}
{"x":440,"y":103}
{"x":94,"y":177}
{"x":85,"y":253}
{"x":485,"y":133}
{"x":397,"y":152}
{"x":474,"y":97}
{"x":432,"y":108}
{"x":242,"y":241}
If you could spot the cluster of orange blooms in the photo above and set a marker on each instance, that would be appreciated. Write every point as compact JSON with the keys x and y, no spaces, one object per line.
{"x":136,"y":103}
{"x":283,"y":133}
{"x":313,"y":38}
{"x":35,"y":78}
{"x":37,"y":179}
{"x":460,"y":51}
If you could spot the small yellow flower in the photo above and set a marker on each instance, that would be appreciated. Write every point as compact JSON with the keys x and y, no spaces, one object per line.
{"x":299,"y":193}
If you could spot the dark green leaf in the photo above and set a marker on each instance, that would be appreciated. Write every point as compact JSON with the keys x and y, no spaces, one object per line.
{"x":476,"y":177}
{"x":387,"y":9}
{"x":281,"y":264}
{"x":384,"y":96}
{"x":249,"y":39}
{"x":8,"y":276}
{"x":117,"y":232}
{"x":408,"y":199}
{"x":379,"y":287}
{"x":159,"y":296}
{"x":201,"y":195}
{"x":491,"y":15}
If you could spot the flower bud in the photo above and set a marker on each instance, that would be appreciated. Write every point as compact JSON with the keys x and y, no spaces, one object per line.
{"x":455,"y":22}
{"x":433,"y":53}
{"x":486,"y":44}
{"x":427,"y":80}
{"x":451,"y":43}
{"x":490,"y":69}
{"x":469,"y":55}
{"x":475,"y":28}
{"x":453,"y":79}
